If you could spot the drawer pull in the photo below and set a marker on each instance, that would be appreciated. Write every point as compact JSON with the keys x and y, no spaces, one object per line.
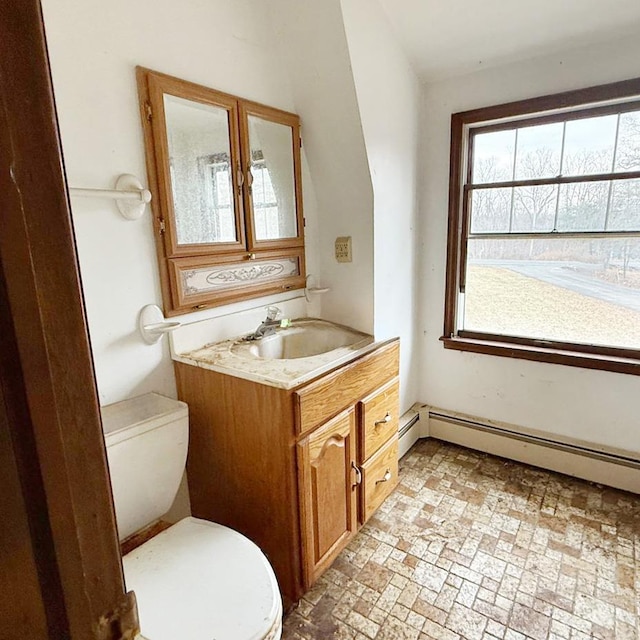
{"x":386,"y":477}
{"x":358,"y":475}
{"x":384,"y":420}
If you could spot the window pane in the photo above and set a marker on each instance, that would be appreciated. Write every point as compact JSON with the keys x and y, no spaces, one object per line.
{"x":583,"y":206}
{"x":538,"y":153}
{"x":628,"y":153}
{"x":588,"y":146}
{"x":490,"y":210}
{"x":534,"y":208}
{"x":493,"y":156}
{"x":624,"y":214}
{"x":569,"y":290}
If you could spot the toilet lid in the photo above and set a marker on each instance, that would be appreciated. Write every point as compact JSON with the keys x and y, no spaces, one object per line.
{"x":202,"y":581}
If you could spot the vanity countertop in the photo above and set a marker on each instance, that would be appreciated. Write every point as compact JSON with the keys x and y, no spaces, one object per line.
{"x":234,"y":357}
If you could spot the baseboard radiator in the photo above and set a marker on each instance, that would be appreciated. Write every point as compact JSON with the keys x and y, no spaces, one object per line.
{"x":608,"y":466}
{"x":409,"y":428}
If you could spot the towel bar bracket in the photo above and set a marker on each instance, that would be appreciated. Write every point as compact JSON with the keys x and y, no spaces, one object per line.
{"x":130,"y":196}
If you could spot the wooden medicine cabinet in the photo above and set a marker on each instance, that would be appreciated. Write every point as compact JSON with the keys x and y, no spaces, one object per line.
{"x":227,"y":196}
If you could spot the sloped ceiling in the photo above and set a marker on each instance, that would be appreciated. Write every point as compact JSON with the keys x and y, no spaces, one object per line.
{"x":445,"y":38}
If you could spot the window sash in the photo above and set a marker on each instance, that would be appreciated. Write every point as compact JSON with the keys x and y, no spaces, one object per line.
{"x":537,"y":182}
{"x":565,"y":114}
{"x":533,"y":235}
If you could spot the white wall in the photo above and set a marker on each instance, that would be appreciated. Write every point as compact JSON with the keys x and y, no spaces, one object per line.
{"x":388,"y":95}
{"x":94,"y":47}
{"x":314,"y":50}
{"x":599,"y":407}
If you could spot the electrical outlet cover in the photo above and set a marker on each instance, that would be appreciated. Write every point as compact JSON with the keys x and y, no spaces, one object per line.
{"x":343,"y":249}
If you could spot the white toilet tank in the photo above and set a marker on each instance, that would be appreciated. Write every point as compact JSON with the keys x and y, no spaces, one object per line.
{"x":147,"y":439}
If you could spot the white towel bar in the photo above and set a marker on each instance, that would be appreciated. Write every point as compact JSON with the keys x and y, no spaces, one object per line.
{"x":130,"y":196}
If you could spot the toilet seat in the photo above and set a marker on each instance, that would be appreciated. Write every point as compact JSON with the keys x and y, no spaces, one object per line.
{"x":198,"y":580}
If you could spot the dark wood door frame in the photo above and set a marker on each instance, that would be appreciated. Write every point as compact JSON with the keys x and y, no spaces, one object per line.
{"x":50,"y":431}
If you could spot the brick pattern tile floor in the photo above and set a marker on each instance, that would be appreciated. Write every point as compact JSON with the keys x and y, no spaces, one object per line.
{"x":477,"y":547}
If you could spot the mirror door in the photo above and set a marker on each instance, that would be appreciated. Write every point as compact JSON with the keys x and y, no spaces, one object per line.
{"x":199,"y":170}
{"x":271,"y":142}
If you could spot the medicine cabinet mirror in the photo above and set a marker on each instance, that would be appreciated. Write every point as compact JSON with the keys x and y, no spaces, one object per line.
{"x":227,"y":194}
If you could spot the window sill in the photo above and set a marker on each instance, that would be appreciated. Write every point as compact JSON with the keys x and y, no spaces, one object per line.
{"x":543,"y":354}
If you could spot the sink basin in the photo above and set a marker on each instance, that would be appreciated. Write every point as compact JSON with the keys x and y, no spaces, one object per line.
{"x":306,"y":338}
{"x":286,"y":359}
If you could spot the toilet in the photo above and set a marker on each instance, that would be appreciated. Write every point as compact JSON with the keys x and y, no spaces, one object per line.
{"x":196,"y":580}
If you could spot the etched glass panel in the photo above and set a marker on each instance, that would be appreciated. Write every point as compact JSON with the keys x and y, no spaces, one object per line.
{"x":200,"y":166}
{"x":236,"y":275}
{"x":273,"y":180}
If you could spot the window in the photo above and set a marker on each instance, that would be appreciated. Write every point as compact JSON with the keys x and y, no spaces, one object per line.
{"x":544,"y":229}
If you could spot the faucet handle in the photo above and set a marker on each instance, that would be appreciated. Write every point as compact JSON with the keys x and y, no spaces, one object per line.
{"x":273,"y":312}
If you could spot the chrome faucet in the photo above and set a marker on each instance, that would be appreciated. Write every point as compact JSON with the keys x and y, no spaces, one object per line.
{"x":269,"y":325}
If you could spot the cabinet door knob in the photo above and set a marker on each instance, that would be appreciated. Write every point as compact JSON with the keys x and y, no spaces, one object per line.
{"x":384,"y":420}
{"x":240,"y":179}
{"x":386,"y":477}
{"x":249,"y":178}
{"x":358,"y":475}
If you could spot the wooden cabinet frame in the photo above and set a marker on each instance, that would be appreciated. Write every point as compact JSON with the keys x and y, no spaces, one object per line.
{"x":246,"y":250}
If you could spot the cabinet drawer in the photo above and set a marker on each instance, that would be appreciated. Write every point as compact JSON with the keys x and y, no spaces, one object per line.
{"x":322,"y":399}
{"x":379,"y":477}
{"x":378,"y":419}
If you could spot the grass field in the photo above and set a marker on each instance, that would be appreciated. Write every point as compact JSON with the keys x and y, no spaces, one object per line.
{"x":501,"y":301}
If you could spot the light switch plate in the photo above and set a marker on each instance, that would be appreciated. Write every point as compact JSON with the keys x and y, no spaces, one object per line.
{"x":343,"y":249}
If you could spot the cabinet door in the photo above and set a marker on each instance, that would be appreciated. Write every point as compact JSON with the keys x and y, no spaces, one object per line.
{"x":270,"y":149}
{"x":328,"y":496}
{"x":195,"y":145}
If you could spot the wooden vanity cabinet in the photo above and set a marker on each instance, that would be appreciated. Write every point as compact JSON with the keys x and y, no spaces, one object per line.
{"x":295,"y":470}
